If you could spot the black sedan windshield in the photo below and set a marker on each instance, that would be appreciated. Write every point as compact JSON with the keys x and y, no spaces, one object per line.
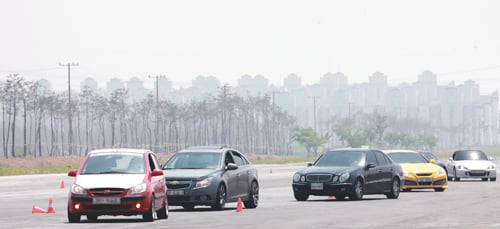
{"x":470,"y":155}
{"x":341,"y":158}
{"x":194,"y":161}
{"x":407,"y":158}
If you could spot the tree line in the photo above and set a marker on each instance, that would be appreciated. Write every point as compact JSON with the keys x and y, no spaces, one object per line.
{"x":253,"y":124}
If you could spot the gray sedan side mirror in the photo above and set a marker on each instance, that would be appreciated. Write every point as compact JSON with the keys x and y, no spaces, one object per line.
{"x":309,"y":164}
{"x":231,"y":166}
{"x":492,"y":158}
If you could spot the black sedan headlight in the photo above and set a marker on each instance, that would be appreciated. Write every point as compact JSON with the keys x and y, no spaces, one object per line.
{"x":298,"y":177}
{"x":344,"y":177}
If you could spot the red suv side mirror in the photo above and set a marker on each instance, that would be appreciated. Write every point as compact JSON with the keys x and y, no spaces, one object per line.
{"x":72,"y":173}
{"x":157,"y":172}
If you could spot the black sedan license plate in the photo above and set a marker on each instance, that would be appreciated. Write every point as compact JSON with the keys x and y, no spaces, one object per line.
{"x":106,"y":200}
{"x":316,"y":186}
{"x":175,"y":192}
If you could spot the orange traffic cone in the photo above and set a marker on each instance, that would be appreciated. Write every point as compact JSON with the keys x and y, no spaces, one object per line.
{"x":62,"y":184}
{"x":36,"y":209}
{"x":51,"y":208}
{"x":271,"y":170}
{"x":239,"y":207}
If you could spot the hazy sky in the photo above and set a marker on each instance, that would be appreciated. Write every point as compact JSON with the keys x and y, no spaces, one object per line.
{"x":458,"y":40}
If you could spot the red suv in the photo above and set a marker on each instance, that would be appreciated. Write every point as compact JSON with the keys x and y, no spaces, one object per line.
{"x":118,"y":182}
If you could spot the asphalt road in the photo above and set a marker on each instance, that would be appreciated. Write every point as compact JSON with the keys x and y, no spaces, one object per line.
{"x":466,"y":204}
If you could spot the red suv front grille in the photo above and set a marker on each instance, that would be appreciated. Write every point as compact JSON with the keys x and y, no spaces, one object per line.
{"x":107,"y":191}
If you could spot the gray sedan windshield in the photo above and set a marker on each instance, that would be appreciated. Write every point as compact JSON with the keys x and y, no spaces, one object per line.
{"x":194,"y":161}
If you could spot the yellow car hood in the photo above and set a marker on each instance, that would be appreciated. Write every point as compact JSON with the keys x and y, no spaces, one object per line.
{"x":420,"y":167}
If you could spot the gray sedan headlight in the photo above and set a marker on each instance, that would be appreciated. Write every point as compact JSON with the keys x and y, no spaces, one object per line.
{"x":461,"y":167}
{"x":204,"y":183}
{"x":344,"y":177}
{"x":491,"y":167}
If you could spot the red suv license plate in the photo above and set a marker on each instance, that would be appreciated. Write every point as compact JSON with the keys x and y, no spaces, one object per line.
{"x":106,"y":200}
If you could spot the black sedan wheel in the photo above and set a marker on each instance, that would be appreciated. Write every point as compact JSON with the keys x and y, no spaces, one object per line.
{"x":253,"y":199}
{"x":220,"y":202}
{"x":300,"y":196}
{"x":358,"y":190}
{"x":395,"y":187}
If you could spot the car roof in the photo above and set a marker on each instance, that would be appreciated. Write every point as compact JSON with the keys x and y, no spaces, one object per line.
{"x":350,"y":149}
{"x":205,"y":149}
{"x":399,"y":151}
{"x":120,"y":150}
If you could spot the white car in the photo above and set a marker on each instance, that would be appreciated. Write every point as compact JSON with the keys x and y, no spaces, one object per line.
{"x":471,"y":164}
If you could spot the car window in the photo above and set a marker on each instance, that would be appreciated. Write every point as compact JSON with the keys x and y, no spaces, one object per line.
{"x":380,"y":158}
{"x":153,"y":162}
{"x":228,"y":159}
{"x":402,"y":157}
{"x":469,"y":155}
{"x":370,"y":158}
{"x":193,"y":161}
{"x":340,"y":158}
{"x":237,"y":159}
{"x":101,"y":163}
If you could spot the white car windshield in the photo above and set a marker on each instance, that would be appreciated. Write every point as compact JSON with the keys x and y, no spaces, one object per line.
{"x":470,"y":155}
{"x":107,"y":163}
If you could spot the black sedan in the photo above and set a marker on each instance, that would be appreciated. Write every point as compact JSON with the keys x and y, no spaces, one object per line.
{"x":211,"y":176}
{"x":430,"y":156}
{"x":349,"y":172}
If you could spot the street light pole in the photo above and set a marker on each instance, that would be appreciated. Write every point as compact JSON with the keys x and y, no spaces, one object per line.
{"x":157,"y":114}
{"x":70,"y":137}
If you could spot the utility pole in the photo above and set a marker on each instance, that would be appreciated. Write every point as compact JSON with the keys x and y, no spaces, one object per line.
{"x":314,"y":112}
{"x":157,"y":114}
{"x":70,"y":137}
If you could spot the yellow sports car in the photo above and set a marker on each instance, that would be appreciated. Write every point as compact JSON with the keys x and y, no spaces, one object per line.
{"x":418,"y":173}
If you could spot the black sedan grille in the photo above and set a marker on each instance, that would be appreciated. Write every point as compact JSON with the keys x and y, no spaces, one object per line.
{"x":106,"y":191}
{"x":319,"y":177}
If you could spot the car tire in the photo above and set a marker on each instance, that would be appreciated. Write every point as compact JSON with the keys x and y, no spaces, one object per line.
{"x":253,"y":196}
{"x":395,"y":187}
{"x":73,"y":218}
{"x":456,"y":178}
{"x":439,"y":189}
{"x":493,"y":178}
{"x":358,"y":190}
{"x":163,"y":212}
{"x":300,"y":196}
{"x":92,"y":217}
{"x":220,"y":200}
{"x":151,"y":214}
{"x":188,"y":207}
